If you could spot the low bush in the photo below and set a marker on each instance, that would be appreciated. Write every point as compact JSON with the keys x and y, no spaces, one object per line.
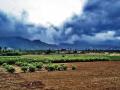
{"x":11,"y":61}
{"x":32,"y":68}
{"x":4,"y":64}
{"x":74,"y":67}
{"x":19,"y":63}
{"x":55,"y":67}
{"x":25,"y":64}
{"x":63,"y":67}
{"x":9,"y":68}
{"x":24,"y":68}
{"x":38,"y":65}
{"x":50,"y":67}
{"x":60,"y":68}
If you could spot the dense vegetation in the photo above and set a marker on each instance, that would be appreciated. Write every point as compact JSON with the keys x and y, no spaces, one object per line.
{"x":32,"y":63}
{"x":35,"y":60}
{"x":57,"y":58}
{"x":6,"y":51}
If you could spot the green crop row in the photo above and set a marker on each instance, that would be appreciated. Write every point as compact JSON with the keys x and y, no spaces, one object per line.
{"x":56,"y":67}
{"x":31,"y":67}
{"x":13,"y":61}
{"x":55,"y":59}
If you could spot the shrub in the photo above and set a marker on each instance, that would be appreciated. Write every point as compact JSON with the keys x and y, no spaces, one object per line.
{"x":19,"y":63}
{"x":11,"y":61}
{"x":4,"y":64}
{"x":38,"y":65}
{"x":63,"y":67}
{"x":60,"y":68}
{"x":74,"y":67}
{"x":53,"y":67}
{"x":9,"y":68}
{"x":32,"y":68}
{"x":25,"y":64}
{"x":50,"y":67}
{"x":63,"y":55}
{"x":24,"y":68}
{"x":22,"y":64}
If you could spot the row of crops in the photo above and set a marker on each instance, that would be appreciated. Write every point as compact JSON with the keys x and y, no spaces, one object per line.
{"x":36,"y":66}
{"x":56,"y":58}
{"x":32,"y":63}
{"x":13,"y":60}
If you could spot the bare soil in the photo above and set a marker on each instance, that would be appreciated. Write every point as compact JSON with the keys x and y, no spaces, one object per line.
{"x":88,"y":76}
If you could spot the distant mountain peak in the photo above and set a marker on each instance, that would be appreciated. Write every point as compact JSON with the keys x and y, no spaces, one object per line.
{"x":22,"y":43}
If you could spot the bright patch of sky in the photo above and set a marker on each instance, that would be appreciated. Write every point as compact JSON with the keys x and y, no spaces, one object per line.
{"x":43,"y":11}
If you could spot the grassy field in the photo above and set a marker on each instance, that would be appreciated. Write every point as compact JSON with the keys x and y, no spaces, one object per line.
{"x":58,"y":58}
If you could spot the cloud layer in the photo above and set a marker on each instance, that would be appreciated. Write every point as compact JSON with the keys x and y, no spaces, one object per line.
{"x":99,"y":23}
{"x":44,"y":11}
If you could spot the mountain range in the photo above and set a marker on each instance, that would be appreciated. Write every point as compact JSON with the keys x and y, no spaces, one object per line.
{"x":25,"y":44}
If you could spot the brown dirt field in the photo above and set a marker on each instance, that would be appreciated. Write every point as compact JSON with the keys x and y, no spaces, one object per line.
{"x":88,"y":76}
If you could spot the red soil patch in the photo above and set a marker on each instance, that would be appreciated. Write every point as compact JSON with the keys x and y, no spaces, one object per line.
{"x":88,"y":76}
{"x":32,"y":84}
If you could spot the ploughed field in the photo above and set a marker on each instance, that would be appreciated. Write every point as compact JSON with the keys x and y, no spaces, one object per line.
{"x":60,"y":72}
{"x":87,"y":76}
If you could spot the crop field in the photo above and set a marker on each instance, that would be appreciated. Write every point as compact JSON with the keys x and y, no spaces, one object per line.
{"x":60,"y":72}
{"x":53,"y":62}
{"x":58,"y":58}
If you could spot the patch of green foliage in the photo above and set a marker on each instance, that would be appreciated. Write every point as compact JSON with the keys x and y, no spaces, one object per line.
{"x":31,"y":68}
{"x":46,"y":59}
{"x":38,"y":65}
{"x":56,"y":67}
{"x":24,"y":68}
{"x":9,"y":68}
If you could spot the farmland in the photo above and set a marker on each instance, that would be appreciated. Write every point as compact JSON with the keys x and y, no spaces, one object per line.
{"x":58,"y":58}
{"x":88,"y":76}
{"x":60,"y":72}
{"x":51,"y":62}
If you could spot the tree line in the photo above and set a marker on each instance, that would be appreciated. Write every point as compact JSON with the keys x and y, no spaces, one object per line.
{"x":5,"y":51}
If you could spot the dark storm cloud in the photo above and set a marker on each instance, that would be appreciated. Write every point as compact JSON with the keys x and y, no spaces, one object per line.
{"x":100,"y":22}
{"x":99,"y":18}
{"x":10,"y":26}
{"x":13,"y":27}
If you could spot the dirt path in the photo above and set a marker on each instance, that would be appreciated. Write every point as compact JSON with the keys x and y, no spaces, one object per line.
{"x":88,"y":76}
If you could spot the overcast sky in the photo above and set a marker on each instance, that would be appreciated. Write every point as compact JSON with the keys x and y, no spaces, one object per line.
{"x":62,"y":21}
{"x":44,"y":11}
